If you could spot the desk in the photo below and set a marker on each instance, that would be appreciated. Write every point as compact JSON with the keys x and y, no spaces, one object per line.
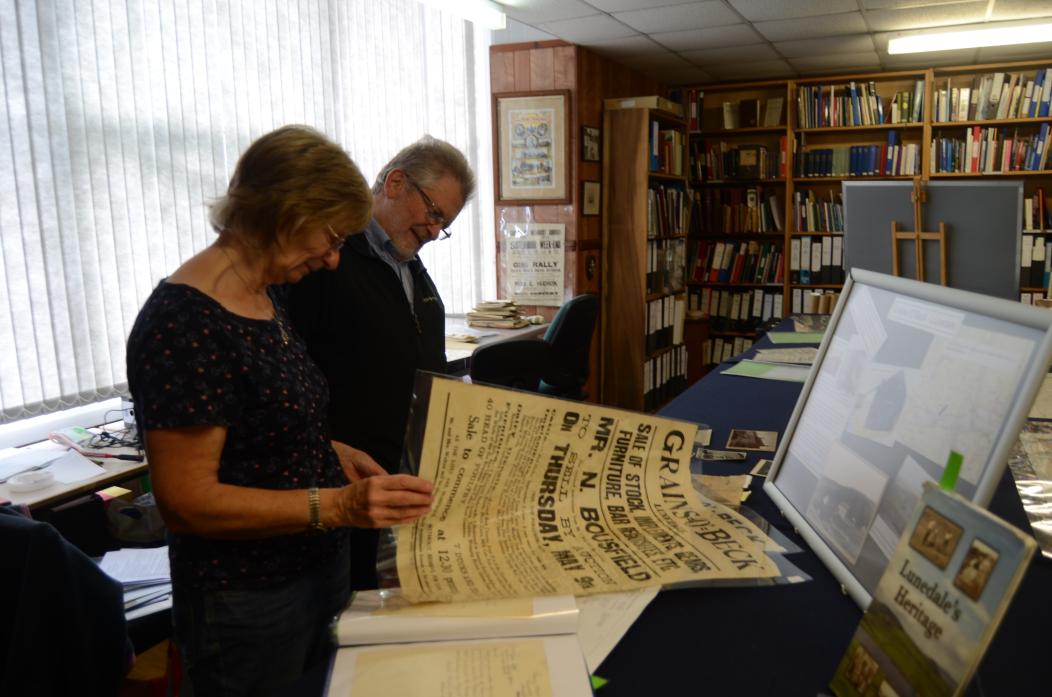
{"x":788,"y":640}
{"x":458,"y":354}
{"x":116,"y":471}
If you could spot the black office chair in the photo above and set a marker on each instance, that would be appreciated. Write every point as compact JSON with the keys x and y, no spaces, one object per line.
{"x":516,"y":363}
{"x":570,"y":336}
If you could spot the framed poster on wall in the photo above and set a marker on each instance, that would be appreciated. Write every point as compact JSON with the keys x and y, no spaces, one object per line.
{"x":533,"y":147}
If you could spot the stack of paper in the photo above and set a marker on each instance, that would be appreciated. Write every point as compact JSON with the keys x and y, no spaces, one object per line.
{"x":503,"y":314}
{"x":386,"y":639}
{"x":146,"y":578}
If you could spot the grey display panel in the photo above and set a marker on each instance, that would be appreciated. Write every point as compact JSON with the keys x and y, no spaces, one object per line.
{"x":983,"y":220}
{"x":906,"y":372}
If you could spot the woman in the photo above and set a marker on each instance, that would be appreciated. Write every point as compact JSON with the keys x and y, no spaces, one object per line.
{"x":256,"y":498}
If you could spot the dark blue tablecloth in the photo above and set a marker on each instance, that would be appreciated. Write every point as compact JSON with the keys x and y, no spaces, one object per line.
{"x":788,"y":640}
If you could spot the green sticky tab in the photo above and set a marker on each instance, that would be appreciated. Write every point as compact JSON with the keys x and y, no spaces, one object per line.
{"x":598,"y":682}
{"x":749,"y":369}
{"x":953,"y":469}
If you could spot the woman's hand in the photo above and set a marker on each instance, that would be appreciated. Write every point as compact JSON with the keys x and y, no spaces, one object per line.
{"x":381,"y":501}
{"x":357,"y":464}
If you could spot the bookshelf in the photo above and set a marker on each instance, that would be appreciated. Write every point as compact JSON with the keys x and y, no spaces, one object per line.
{"x":644,"y":246}
{"x":832,"y":130}
{"x":738,"y":165}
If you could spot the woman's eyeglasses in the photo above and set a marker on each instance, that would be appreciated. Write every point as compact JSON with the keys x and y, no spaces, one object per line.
{"x":337,"y":240}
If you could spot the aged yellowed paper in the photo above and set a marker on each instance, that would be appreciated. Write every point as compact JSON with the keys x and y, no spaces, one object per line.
{"x":539,"y":496}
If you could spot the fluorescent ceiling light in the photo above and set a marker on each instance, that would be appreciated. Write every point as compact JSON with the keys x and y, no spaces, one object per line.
{"x":482,"y":12}
{"x":972,"y":38}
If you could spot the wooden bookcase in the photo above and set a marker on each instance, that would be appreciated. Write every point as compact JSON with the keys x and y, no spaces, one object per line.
{"x":855,"y":146}
{"x":644,"y":248}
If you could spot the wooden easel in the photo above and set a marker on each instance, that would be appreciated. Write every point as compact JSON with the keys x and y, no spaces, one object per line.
{"x":919,"y":197}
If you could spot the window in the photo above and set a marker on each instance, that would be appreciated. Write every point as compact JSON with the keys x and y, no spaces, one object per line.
{"x":120,"y":119}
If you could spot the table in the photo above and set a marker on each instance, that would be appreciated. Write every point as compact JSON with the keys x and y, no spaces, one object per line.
{"x":788,"y":640}
{"x":458,"y":354}
{"x":116,"y":471}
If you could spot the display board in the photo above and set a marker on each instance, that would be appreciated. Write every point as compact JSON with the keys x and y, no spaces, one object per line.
{"x":906,"y":373}
{"x":983,"y":223}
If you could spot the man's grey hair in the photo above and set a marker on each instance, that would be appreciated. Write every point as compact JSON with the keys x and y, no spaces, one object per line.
{"x":428,"y":160}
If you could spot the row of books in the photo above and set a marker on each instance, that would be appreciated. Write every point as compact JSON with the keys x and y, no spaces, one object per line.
{"x":731,"y":310}
{"x":666,"y":150}
{"x":991,"y":150}
{"x":1036,"y":262}
{"x":995,"y":96}
{"x":667,"y":210}
{"x":752,"y":113}
{"x":745,"y":261}
{"x":1037,"y":213}
{"x":875,"y":160}
{"x":856,"y":104}
{"x":723,"y":160}
{"x":816,"y":260}
{"x":719,"y":349}
{"x":815,"y":215}
{"x":665,"y":317}
{"x":803,"y":301}
{"x":666,"y":260}
{"x":734,"y":211}
{"x":1030,"y":298}
{"x":664,"y":377}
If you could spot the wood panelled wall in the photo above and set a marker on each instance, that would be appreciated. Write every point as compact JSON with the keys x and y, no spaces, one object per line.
{"x":590,"y":78}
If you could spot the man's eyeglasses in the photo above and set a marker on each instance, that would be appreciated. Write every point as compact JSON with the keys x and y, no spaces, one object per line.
{"x":337,"y":240}
{"x":434,"y":213}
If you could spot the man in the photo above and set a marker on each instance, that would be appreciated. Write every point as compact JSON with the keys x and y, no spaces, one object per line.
{"x":378,"y":318}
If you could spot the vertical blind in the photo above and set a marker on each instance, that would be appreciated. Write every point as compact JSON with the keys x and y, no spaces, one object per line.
{"x":121,"y":119}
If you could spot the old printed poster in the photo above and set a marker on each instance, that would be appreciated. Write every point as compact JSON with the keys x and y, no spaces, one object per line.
{"x":541,"y":496}
{"x":534,"y":254}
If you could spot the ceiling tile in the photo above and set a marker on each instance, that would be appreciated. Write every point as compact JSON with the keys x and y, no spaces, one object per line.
{"x":1021,"y":9}
{"x":919,"y":17}
{"x":731,"y":54}
{"x":623,"y":5}
{"x":900,"y":4}
{"x":585,"y":30}
{"x":516,"y":32}
{"x":661,"y":61}
{"x":627,"y":47}
{"x":717,"y":37}
{"x":536,"y":12}
{"x":830,"y":25}
{"x":687,"y":76}
{"x":748,"y":71}
{"x":818,"y":47}
{"x":837,"y":63}
{"x":1022,"y":52}
{"x":764,"y":10}
{"x":695,"y":15}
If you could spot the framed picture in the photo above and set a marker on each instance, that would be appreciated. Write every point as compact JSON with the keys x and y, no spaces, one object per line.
{"x":590,"y":198}
{"x":533,"y":147}
{"x":591,"y":144}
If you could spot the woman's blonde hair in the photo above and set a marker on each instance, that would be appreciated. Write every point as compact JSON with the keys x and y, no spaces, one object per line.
{"x":288,"y":179}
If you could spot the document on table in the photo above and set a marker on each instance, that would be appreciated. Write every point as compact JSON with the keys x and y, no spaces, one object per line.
{"x":769,"y":371}
{"x":803,"y":356}
{"x":137,"y":566}
{"x":604,"y":619}
{"x":795,"y":337}
{"x":73,"y":467}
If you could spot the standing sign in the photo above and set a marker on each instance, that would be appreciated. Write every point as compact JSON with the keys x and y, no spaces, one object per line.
{"x":534,"y":254}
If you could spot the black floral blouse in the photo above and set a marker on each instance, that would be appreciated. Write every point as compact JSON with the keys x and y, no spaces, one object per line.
{"x":191,"y":362}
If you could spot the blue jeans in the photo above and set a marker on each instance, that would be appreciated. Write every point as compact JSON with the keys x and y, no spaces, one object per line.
{"x":235,"y":642}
